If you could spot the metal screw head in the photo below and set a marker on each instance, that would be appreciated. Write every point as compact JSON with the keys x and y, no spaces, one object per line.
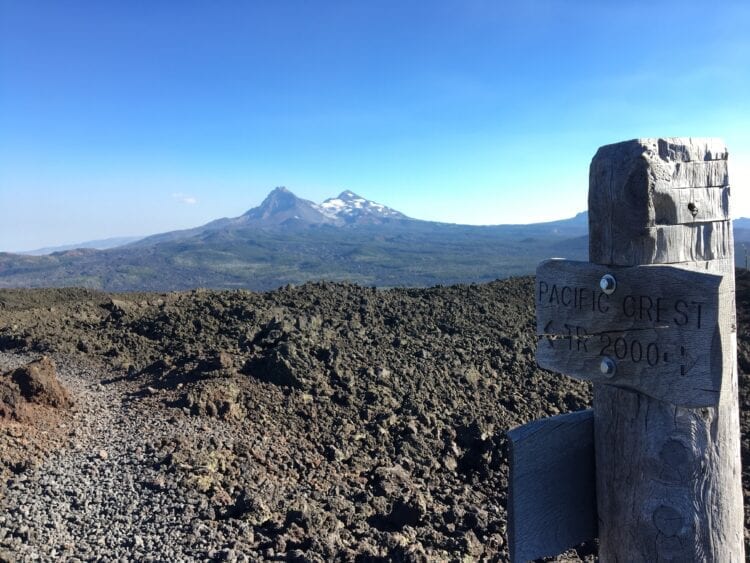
{"x":608,"y":284}
{"x":608,"y":366}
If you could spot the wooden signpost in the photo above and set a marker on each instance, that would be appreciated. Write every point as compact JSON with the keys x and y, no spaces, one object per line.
{"x":651,"y":322}
{"x":657,"y":330}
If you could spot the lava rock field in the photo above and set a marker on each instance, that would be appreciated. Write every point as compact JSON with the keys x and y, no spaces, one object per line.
{"x":311,"y":423}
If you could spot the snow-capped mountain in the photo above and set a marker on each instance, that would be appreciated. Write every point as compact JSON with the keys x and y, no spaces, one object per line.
{"x":281,"y":206}
{"x":287,"y":239}
{"x":352,"y":208}
{"x":282,"y":209}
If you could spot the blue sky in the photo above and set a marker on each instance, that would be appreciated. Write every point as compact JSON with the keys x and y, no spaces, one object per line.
{"x":130,"y":118}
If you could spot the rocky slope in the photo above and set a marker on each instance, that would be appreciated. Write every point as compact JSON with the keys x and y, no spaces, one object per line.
{"x":327,"y":421}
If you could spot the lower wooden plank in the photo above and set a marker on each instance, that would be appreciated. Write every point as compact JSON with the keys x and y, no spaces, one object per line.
{"x":552,"y":485}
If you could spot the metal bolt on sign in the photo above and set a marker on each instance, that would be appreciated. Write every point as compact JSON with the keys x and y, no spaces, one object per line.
{"x":608,"y":366}
{"x":608,"y":284}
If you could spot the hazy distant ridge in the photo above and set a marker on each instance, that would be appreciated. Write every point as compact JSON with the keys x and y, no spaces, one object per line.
{"x":101,"y":244}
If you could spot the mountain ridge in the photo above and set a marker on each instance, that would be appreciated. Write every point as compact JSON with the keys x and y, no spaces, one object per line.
{"x":282,"y":209}
{"x":290,"y":240}
{"x":346,"y":209}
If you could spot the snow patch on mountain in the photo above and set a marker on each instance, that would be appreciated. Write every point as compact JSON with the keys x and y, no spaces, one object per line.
{"x":350,"y":206}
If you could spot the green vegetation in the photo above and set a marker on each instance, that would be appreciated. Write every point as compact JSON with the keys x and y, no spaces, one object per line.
{"x":410,"y":254}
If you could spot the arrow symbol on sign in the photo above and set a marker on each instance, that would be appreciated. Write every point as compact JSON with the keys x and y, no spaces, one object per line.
{"x":683,"y":357}
{"x":688,"y":362}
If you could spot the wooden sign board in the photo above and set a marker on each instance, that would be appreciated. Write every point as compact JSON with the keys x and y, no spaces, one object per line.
{"x":663,"y":331}
{"x":551,"y":487}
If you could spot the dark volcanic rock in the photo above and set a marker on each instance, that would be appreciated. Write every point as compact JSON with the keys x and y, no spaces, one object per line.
{"x":215,"y":398}
{"x":326,"y":421}
{"x":356,"y":423}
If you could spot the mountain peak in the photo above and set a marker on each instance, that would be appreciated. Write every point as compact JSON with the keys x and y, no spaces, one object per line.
{"x":281,"y":206}
{"x":279,"y":194}
{"x":277,"y":200}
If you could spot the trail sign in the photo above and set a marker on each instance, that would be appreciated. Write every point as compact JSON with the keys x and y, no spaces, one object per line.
{"x":651,"y":322}
{"x":656,"y":329}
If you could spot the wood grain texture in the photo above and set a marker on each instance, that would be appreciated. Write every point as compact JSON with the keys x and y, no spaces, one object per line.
{"x":673,"y":244}
{"x":669,"y":175}
{"x":661,"y":327}
{"x":551,"y":487}
{"x":641,"y":211}
{"x":687,"y":206}
{"x":687,"y":149}
{"x":668,"y":477}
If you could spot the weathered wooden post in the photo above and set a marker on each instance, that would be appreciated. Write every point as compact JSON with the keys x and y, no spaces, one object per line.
{"x":651,"y":321}
{"x":669,"y":474}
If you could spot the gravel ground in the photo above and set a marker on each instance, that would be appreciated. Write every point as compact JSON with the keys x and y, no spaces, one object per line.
{"x":100,"y":497}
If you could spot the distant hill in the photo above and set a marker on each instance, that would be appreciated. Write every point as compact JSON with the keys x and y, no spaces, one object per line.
{"x":741,"y":237}
{"x":287,"y":239}
{"x":101,"y":244}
